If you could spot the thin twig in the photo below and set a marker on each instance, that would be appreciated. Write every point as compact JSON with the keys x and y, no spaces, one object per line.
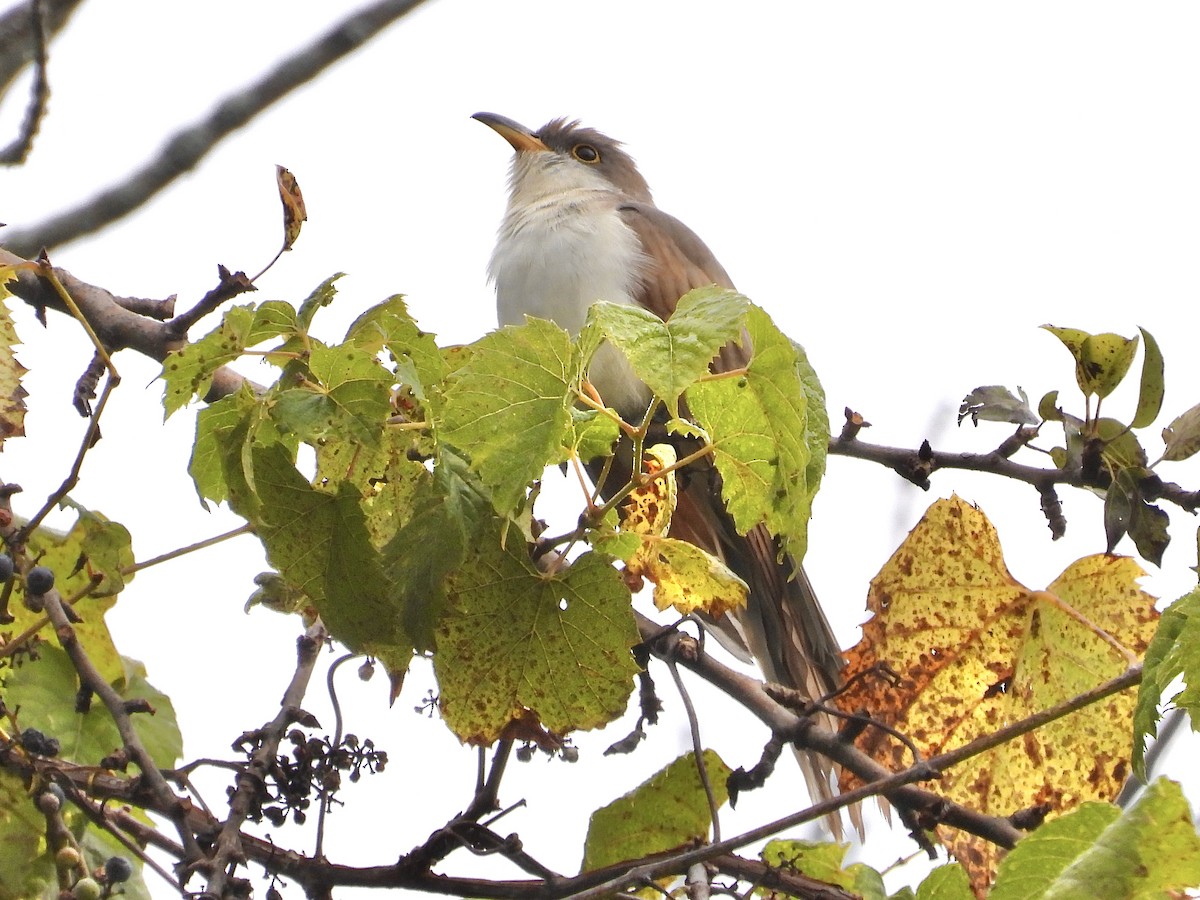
{"x":89,"y":440}
{"x":190,"y":548}
{"x":334,"y":744}
{"x":697,"y":748}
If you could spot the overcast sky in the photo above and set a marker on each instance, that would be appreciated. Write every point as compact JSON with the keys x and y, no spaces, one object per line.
{"x":910,"y":189}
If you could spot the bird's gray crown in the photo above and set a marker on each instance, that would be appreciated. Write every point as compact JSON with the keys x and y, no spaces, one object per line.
{"x":571,"y":139}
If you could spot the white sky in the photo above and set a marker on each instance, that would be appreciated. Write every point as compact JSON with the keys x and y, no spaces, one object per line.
{"x":910,"y":189}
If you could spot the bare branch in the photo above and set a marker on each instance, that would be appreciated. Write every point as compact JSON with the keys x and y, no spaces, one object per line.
{"x":17,"y":152}
{"x":16,"y":35}
{"x":186,"y":148}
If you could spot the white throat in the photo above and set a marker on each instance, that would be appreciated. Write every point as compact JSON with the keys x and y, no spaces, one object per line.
{"x":562,"y":246}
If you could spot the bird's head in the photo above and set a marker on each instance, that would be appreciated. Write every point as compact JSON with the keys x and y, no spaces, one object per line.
{"x":563,"y":155}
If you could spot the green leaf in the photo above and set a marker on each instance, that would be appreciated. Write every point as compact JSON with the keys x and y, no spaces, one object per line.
{"x":948,"y":882}
{"x":507,"y":407}
{"x":214,"y":425}
{"x":1148,"y":529}
{"x":996,"y":403}
{"x":1101,"y":853}
{"x":1152,"y":386}
{"x":382,"y":474}
{"x":515,"y":642}
{"x":44,"y":689}
{"x":667,"y":811}
{"x":448,"y":514}
{"x":227,"y":432}
{"x":1101,"y":360}
{"x":1048,"y":407}
{"x":1105,"y":361}
{"x":188,"y":371}
{"x":92,"y":546}
{"x":671,"y":356}
{"x":823,"y":861}
{"x":320,"y":543}
{"x":390,"y":325}
{"x":592,"y":433}
{"x":763,"y":436}
{"x":322,"y":295}
{"x":1182,"y":436}
{"x":1174,"y":651}
{"x":347,"y":397}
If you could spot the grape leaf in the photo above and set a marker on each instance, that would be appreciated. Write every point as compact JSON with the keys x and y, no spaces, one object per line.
{"x":668,"y":810}
{"x":963,"y":635}
{"x":516,"y":645}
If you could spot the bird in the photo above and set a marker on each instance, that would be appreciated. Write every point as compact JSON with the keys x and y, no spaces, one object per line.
{"x":580,"y":226}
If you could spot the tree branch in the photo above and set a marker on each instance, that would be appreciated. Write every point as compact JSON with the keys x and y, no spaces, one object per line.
{"x":186,"y":148}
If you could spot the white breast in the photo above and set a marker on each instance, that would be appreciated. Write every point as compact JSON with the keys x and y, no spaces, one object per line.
{"x":559,"y":251}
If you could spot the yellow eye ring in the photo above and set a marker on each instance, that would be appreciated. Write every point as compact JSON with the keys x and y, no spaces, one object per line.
{"x":586,"y":153}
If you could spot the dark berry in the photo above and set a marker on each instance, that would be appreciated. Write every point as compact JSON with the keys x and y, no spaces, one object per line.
{"x":6,"y":567}
{"x":39,"y":580}
{"x":117,"y":869}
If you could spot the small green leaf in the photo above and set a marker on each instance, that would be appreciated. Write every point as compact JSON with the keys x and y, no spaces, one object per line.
{"x":824,"y":862}
{"x":1118,"y":511}
{"x":188,"y":372}
{"x":1098,"y":852}
{"x":1101,"y":360}
{"x":948,"y":882}
{"x":667,"y":811}
{"x":1148,"y":529}
{"x":226,"y":432}
{"x":593,"y":433}
{"x":1048,"y":407}
{"x":347,"y":397}
{"x":1174,"y":651}
{"x":515,"y":643}
{"x":1152,"y":388}
{"x":507,"y":407}
{"x":322,"y":295}
{"x":670,"y":356}
{"x":1182,"y":436}
{"x":390,"y":325}
{"x":1105,"y":360}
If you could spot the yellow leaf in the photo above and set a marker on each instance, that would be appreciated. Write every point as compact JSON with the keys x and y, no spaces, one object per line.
{"x":648,"y":508}
{"x":976,"y":650}
{"x":684,"y":576}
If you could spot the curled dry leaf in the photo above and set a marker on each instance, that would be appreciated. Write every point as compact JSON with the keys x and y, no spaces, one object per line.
{"x":294,"y":213}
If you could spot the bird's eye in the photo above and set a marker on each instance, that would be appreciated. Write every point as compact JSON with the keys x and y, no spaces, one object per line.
{"x":586,"y":153}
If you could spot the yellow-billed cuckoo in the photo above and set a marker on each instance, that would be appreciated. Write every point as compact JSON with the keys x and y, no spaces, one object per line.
{"x":581,"y":226}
